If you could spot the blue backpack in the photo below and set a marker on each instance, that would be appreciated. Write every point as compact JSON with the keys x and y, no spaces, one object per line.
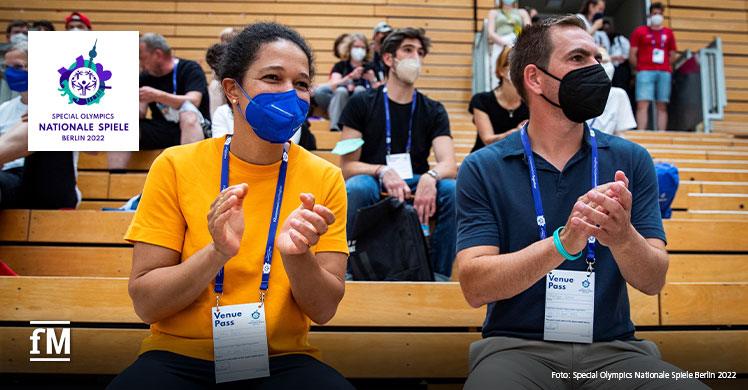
{"x":667,"y":180}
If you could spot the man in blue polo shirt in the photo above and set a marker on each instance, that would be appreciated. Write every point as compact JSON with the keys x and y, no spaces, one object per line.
{"x":553,"y":222}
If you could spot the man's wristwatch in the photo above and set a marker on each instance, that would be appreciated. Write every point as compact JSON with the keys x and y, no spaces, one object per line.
{"x":433,"y":174}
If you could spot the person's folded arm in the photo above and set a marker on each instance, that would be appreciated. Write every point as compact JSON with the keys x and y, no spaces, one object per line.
{"x":15,"y":143}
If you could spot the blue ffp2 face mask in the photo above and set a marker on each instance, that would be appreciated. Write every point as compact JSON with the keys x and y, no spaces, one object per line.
{"x":275,"y":117}
{"x":18,"y":79}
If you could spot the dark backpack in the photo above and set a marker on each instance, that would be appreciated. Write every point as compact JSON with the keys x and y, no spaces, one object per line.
{"x":387,"y":244}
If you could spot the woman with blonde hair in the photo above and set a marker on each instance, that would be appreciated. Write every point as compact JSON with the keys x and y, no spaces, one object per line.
{"x":350,"y":76}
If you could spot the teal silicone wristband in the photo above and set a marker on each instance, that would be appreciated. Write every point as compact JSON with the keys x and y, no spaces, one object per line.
{"x":560,"y":247}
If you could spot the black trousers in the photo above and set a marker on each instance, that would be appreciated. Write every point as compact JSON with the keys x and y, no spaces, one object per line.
{"x":161,"y":370}
{"x":158,"y":134}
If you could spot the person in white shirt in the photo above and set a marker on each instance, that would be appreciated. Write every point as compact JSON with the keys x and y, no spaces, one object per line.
{"x":15,"y":69}
{"x":618,"y":115}
{"x":44,"y":180}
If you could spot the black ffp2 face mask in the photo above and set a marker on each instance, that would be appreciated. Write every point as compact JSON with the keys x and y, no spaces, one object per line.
{"x":583,"y":92}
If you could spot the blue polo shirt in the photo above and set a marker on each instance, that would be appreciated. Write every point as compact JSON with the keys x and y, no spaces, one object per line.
{"x":495,"y":207}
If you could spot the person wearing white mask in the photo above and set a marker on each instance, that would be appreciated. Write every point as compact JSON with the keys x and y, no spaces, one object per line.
{"x":653,"y":51}
{"x":618,"y":116}
{"x":349,"y":77}
{"x":504,"y":25}
{"x":399,"y":127}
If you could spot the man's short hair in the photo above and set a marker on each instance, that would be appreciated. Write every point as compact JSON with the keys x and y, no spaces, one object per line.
{"x":15,"y":23}
{"x":658,"y":6}
{"x":153,"y":41}
{"x":43,"y":23}
{"x":396,"y":38}
{"x":534,"y":46}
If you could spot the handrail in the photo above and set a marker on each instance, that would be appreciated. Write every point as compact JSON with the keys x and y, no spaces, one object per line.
{"x":713,"y":90}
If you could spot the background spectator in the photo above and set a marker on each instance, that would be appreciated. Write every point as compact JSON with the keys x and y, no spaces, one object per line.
{"x":14,"y":28}
{"x":592,"y":13}
{"x":350,"y":76}
{"x":381,"y":30}
{"x":653,"y":52}
{"x":618,"y":116}
{"x":417,"y":125}
{"x":504,"y":25}
{"x":341,"y":42}
{"x":215,"y":91}
{"x":620,"y":48}
{"x":43,"y":180}
{"x":15,"y":68}
{"x":500,"y":112}
{"x":78,"y":21}
{"x":42,"y":25}
{"x":227,"y":34}
{"x":176,"y":93}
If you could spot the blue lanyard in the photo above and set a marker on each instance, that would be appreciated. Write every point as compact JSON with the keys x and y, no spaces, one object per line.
{"x":174,"y":75}
{"x":388,"y":124}
{"x":535,"y":184}
{"x":279,"y":187}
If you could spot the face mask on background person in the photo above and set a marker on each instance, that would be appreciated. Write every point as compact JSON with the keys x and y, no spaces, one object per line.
{"x":358,"y":54}
{"x":18,"y":79}
{"x":582,"y":93}
{"x":76,"y":29}
{"x":508,"y":2}
{"x":408,"y":69}
{"x":657,"y":20}
{"x":275,"y":117}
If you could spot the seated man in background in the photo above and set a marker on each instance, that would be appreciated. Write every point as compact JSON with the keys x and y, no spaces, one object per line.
{"x":529,"y":206}
{"x":176,"y":92}
{"x":399,"y":127}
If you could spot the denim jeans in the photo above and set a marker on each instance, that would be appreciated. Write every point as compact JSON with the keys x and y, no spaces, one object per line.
{"x":364,"y":190}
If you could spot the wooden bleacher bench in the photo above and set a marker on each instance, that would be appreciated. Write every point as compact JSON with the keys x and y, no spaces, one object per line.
{"x":423,"y":331}
{"x":140,"y":161}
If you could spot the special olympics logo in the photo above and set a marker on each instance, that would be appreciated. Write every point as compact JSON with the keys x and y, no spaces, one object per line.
{"x":256,"y":314}
{"x":84,"y":82}
{"x":586,"y":284}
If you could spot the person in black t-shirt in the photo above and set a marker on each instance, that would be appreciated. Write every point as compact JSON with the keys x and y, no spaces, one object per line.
{"x":500,"y":112}
{"x":176,"y":92}
{"x":349,"y":77}
{"x":401,"y":166}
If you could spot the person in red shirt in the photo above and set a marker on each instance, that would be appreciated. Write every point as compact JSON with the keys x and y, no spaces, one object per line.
{"x":653,"y":52}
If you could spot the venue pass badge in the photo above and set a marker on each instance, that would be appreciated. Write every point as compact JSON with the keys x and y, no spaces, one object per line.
{"x":83,"y":91}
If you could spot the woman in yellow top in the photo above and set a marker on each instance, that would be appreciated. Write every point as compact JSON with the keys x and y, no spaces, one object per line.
{"x":504,"y":25}
{"x":240,"y":241}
